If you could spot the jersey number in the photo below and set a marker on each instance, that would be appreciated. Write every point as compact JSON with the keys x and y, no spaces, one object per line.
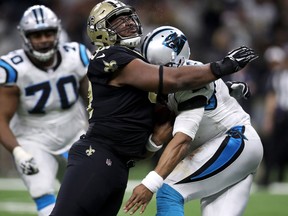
{"x":45,"y":88}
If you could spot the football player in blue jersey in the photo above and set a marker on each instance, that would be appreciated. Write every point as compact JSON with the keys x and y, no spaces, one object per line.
{"x":214,"y":152}
{"x":41,"y":86}
{"x":121,"y":112}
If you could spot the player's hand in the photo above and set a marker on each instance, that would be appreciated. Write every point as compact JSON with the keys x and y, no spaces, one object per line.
{"x":238,"y":90}
{"x":233,"y":62}
{"x":140,"y":197}
{"x":25,"y":161}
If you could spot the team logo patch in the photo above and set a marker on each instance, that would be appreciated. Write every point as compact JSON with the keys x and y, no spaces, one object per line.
{"x":90,"y":151}
{"x":109,"y":162}
{"x":110,"y":66}
{"x":175,"y":42}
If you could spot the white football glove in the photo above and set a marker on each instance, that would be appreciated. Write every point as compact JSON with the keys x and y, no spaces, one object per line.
{"x":25,"y":161}
{"x":238,"y":90}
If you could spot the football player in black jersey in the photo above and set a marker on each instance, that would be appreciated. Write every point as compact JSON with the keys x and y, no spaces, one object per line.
{"x":121,"y":110}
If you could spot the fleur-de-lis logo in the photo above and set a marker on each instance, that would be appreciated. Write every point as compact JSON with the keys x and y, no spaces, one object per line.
{"x":110,"y":66}
{"x":90,"y":151}
{"x":152,"y":97}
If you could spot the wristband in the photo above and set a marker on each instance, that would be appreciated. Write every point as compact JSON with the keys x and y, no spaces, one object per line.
{"x":151,"y":146}
{"x":152,"y":181}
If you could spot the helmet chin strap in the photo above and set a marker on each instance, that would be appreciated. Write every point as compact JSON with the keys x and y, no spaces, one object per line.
{"x":131,"y":42}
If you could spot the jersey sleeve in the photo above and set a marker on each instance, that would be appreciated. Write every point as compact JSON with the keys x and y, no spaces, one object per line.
{"x":85,"y":55}
{"x":8,"y":74}
{"x":188,"y":122}
{"x":3,"y":76}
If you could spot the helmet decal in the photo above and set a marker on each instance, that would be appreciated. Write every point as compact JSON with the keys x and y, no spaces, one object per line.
{"x":175,"y":41}
{"x":38,"y":14}
{"x":170,"y":42}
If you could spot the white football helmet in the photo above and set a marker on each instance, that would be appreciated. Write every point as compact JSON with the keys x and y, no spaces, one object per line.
{"x":100,"y":31}
{"x":166,"y":45}
{"x":39,"y":18}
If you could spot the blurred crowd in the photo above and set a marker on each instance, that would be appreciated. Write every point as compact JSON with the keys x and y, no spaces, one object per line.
{"x":213,"y":28}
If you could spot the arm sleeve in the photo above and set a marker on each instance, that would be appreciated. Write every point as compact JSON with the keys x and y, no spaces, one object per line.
{"x":188,"y":122}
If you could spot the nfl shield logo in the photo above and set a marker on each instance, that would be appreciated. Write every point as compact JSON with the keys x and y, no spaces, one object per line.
{"x":108,"y":162}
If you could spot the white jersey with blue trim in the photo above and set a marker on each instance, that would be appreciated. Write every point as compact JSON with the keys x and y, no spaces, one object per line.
{"x":227,"y":152}
{"x":48,"y":99}
{"x":46,"y":94}
{"x":221,"y":113}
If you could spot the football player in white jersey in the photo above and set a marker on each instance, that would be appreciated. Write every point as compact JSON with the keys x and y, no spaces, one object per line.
{"x":42,"y":84}
{"x":215,"y":150}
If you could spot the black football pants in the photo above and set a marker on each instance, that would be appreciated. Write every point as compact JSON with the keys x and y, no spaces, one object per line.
{"x":94,"y":183}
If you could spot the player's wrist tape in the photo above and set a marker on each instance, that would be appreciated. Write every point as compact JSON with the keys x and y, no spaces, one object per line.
{"x":19,"y":153}
{"x":151,"y":146}
{"x":152,"y":181}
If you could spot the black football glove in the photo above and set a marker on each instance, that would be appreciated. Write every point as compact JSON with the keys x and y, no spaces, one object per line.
{"x":233,"y":62}
{"x":238,"y":90}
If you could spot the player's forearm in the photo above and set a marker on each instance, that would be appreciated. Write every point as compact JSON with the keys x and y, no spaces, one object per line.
{"x":7,"y":138}
{"x":176,"y":150}
{"x":186,"y":77}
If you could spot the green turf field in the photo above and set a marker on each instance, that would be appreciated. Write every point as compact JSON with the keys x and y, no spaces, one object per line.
{"x":263,"y":202}
{"x":18,"y":203}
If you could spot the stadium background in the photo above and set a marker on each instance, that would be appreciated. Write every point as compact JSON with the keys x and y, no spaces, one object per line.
{"x":212,"y":27}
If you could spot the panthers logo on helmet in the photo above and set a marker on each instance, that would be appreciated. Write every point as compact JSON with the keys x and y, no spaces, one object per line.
{"x":175,"y":41}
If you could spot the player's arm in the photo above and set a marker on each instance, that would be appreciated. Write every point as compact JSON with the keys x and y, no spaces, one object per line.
{"x":177,"y":149}
{"x":83,"y":91}
{"x":162,"y":131}
{"x":9,"y":100}
{"x":152,"y":78}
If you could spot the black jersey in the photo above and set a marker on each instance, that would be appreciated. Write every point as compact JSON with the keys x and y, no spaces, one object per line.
{"x":120,"y":117}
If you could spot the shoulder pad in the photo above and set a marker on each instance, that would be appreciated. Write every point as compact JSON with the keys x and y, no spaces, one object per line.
{"x":192,"y":99}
